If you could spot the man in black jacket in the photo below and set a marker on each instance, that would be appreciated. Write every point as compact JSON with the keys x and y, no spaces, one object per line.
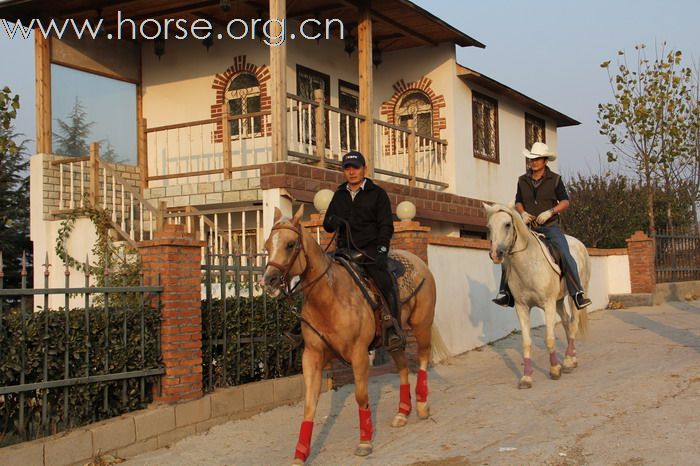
{"x":361,"y":213}
{"x":541,"y":196}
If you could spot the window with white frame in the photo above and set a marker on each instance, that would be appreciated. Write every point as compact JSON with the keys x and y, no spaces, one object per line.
{"x":485,"y":127}
{"x":348,"y":99}
{"x":243,"y":97}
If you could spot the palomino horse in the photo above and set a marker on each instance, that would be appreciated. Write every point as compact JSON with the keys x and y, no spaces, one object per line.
{"x":533,"y":282}
{"x":338,"y":322}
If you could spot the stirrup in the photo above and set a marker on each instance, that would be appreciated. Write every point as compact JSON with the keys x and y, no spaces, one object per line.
{"x":504,"y":299}
{"x":394,"y":341}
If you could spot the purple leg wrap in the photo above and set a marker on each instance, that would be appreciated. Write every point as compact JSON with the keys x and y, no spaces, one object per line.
{"x":571,"y":349}
{"x":528,"y":366}
{"x":553,"y":359}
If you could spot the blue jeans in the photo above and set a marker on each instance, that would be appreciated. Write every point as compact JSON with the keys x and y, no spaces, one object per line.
{"x":554,"y":234}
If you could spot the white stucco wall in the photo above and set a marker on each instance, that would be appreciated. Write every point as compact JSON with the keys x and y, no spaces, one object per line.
{"x":488,"y":180}
{"x":43,"y":234}
{"x":467,"y":280}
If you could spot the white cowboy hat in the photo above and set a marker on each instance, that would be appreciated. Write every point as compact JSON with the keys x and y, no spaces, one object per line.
{"x":539,"y":150}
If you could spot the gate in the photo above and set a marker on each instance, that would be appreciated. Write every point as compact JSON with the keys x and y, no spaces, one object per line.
{"x":677,"y":257}
{"x":242,"y":328}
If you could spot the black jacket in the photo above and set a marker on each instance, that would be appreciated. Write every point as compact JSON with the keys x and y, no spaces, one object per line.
{"x":537,"y":199}
{"x":369,"y":216}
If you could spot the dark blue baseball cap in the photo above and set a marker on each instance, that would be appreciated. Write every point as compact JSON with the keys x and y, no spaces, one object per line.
{"x":353,"y":159}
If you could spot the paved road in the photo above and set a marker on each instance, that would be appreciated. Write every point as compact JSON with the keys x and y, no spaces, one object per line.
{"x":632,"y":401}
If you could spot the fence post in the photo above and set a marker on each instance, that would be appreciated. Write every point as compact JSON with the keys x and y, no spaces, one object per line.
{"x":94,"y":173}
{"x":641,"y":251}
{"x":320,"y":127}
{"x":143,"y":155}
{"x":226,"y":140}
{"x":173,"y":257}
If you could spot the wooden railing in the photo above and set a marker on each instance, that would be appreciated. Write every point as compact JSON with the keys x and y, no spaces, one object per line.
{"x":227,"y":231}
{"x":88,"y":181}
{"x":317,"y":133}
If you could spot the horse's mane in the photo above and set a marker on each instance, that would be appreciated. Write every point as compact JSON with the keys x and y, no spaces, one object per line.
{"x":510,"y":210}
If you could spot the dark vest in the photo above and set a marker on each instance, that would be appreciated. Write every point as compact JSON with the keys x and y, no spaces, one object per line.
{"x":543,"y":197}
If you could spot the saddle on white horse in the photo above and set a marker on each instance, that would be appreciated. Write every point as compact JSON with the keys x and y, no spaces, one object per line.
{"x":553,"y":256}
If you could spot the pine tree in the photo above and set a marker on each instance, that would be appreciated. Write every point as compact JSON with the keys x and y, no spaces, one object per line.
{"x":73,"y":133}
{"x":14,"y":192}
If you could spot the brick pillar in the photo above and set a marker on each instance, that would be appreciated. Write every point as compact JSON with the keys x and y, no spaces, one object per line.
{"x":174,"y":257}
{"x":315,"y":227}
{"x":641,"y":252}
{"x":411,"y":236}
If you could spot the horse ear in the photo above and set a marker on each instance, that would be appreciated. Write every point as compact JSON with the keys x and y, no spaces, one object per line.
{"x":278,"y":214}
{"x":298,"y":215}
{"x":489,"y":208}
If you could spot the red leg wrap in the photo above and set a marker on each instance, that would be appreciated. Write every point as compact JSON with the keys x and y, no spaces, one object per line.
{"x":304,"y":444}
{"x":422,"y":386}
{"x":405,"y":398}
{"x":571,"y":349}
{"x":528,"y":366}
{"x":553,"y":359}
{"x":366,"y":429}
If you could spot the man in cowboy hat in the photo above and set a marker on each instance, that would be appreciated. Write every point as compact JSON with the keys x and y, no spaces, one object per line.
{"x":540,"y":198}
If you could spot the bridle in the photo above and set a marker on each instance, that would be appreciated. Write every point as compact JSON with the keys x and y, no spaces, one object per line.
{"x":510,"y":251}
{"x":285,"y":287}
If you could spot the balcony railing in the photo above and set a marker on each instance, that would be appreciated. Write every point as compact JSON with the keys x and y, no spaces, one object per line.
{"x":317,"y":133}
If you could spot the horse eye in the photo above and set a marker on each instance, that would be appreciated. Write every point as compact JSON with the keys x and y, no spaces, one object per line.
{"x":291,"y":244}
{"x":508,"y":225}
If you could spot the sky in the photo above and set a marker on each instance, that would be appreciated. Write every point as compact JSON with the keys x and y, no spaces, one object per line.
{"x":549,"y":50}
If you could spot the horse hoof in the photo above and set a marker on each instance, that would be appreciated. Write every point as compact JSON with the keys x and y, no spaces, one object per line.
{"x":555,"y":372}
{"x":568,"y":366}
{"x":423,"y":410}
{"x":297,"y":462}
{"x":363,"y":449}
{"x":399,"y":420}
{"x":525,"y":382}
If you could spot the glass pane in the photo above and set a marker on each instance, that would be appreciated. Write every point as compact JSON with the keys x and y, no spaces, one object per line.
{"x":243,"y":81}
{"x":89,"y":108}
{"x":235,"y":106}
{"x":253,"y":104}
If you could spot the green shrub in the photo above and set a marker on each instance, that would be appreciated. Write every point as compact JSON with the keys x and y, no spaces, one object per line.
{"x":90,"y":346}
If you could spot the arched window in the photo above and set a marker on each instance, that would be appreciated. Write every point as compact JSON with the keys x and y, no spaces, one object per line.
{"x":243,"y":97}
{"x":416,"y":107}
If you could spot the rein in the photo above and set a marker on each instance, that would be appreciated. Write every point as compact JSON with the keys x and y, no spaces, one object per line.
{"x":290,"y":292}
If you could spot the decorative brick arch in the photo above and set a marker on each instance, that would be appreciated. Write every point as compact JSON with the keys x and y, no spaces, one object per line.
{"x":388,"y":108}
{"x":221,"y":82}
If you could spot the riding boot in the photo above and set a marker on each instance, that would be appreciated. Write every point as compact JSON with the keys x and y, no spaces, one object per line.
{"x":394,"y":339}
{"x":294,"y":336}
{"x":504,"y":297}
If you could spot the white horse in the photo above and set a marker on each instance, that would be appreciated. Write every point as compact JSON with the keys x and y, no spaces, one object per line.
{"x":533,"y":282}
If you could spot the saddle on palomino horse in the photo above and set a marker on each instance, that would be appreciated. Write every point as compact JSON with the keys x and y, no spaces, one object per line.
{"x":351,"y":261}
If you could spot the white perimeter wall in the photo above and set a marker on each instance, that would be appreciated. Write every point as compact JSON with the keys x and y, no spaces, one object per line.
{"x":467,"y":280}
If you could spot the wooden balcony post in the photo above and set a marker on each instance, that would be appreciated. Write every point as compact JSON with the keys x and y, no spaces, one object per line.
{"x":42,"y":65}
{"x":94,"y":173}
{"x":411,"y":154}
{"x":319,"y":98}
{"x":226,"y":140}
{"x":160,"y":216}
{"x":364,"y":55}
{"x":143,"y":154}
{"x":278,"y":88}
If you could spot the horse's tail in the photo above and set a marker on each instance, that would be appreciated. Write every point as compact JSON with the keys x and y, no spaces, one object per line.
{"x":583,"y":322}
{"x":439,"y":349}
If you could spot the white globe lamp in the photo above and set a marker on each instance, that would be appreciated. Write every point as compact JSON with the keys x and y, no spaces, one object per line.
{"x":406,"y":210}
{"x":322,"y":199}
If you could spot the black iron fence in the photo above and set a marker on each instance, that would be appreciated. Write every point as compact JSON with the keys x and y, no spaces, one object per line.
{"x":242,"y":328}
{"x":94,"y":356}
{"x":677,"y":257}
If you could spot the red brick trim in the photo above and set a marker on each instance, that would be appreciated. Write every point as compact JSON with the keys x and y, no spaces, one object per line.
{"x":303,"y":181}
{"x":642,"y":263}
{"x":388,"y":108}
{"x":222,"y":80}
